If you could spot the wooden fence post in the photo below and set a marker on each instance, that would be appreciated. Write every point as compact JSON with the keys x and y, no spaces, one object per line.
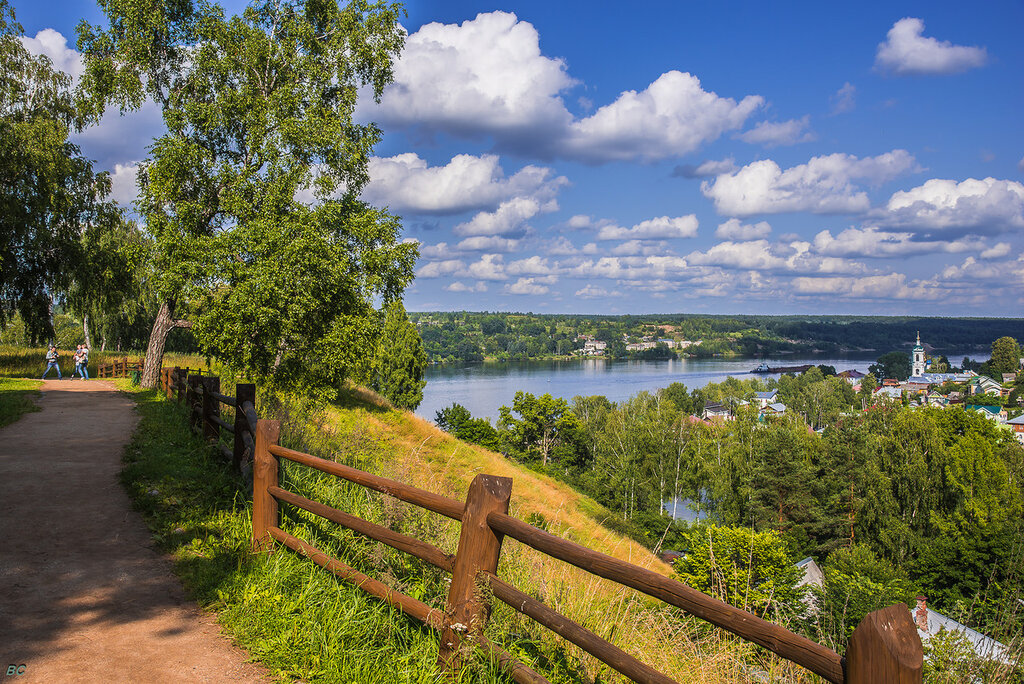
{"x":192,"y":400}
{"x":179,"y":383}
{"x":211,"y":407}
{"x":479,"y":548}
{"x":885,"y":647}
{"x":264,"y":475}
{"x":244,"y":392}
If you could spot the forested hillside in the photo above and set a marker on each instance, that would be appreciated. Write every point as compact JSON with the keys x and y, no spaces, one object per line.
{"x":892,"y":500}
{"x":474,"y":336}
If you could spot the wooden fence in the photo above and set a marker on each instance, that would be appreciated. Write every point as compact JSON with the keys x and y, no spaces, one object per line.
{"x":119,"y":368}
{"x":885,"y":647}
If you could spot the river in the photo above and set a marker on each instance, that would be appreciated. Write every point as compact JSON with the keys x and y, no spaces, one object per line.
{"x":483,"y":387}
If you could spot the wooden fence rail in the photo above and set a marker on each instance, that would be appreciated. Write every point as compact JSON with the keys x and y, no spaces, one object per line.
{"x":885,"y":647}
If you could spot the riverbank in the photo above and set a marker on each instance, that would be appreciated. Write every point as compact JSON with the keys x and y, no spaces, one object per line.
{"x":484,"y":387}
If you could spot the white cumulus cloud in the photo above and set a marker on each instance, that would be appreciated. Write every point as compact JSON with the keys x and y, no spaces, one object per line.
{"x":824,"y":185}
{"x":530,"y":286}
{"x":706,"y":169}
{"x":54,"y":45}
{"x":986,"y":206}
{"x":406,"y":183}
{"x":672,"y":117}
{"x":660,"y":228}
{"x":488,"y":77}
{"x":775,"y":134}
{"x":872,"y":242}
{"x":509,"y":218}
{"x":906,"y":51}
{"x":733,"y":229}
{"x":485,"y":75}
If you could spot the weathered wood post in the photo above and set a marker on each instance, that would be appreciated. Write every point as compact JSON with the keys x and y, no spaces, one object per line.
{"x":211,"y":407}
{"x":192,"y":400}
{"x":885,"y":647}
{"x":479,"y":547}
{"x":179,"y":383}
{"x":244,"y":392}
{"x":264,"y":475}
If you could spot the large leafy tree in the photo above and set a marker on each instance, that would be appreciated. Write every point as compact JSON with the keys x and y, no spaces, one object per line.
{"x":251,"y":197}
{"x":48,"y":191}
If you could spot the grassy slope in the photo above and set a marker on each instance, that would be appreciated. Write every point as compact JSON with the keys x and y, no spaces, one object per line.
{"x":17,"y":397}
{"x":413,"y":450}
{"x":302,"y":623}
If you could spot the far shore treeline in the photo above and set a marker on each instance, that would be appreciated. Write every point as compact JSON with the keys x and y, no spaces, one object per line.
{"x":477,"y":336}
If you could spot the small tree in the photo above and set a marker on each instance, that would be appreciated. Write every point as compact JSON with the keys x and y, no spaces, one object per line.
{"x":400,"y":360}
{"x":1005,"y":356}
{"x":546,"y":428}
{"x":750,"y":570}
{"x":895,"y":364}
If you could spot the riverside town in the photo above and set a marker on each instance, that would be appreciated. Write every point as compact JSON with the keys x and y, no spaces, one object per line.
{"x":356,"y":342}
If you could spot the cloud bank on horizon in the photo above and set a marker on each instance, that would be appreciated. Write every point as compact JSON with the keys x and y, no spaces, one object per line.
{"x":705,"y":178}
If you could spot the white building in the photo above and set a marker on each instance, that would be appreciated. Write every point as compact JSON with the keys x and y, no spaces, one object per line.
{"x":917,"y":359}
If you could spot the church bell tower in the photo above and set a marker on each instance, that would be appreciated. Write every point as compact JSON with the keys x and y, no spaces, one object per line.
{"x":917,"y":361}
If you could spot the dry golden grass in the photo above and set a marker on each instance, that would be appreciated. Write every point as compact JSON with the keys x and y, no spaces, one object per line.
{"x":682,"y":647}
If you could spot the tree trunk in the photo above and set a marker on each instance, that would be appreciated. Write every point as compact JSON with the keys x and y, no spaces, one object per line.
{"x":162,"y":326}
{"x":85,"y":330}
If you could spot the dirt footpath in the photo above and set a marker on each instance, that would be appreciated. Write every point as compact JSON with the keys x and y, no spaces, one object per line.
{"x":84,"y":597}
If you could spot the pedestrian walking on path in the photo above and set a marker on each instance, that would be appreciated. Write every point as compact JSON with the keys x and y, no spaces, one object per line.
{"x":85,"y":596}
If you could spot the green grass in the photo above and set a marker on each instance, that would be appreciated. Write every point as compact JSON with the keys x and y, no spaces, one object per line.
{"x":296,"y":618}
{"x":17,"y":397}
{"x":28,"y":362}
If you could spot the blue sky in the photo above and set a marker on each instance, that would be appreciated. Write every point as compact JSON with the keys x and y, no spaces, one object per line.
{"x":692,"y":157}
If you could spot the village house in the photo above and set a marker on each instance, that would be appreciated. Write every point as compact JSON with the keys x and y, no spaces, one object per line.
{"x":776,"y":409}
{"x":852,"y":376}
{"x":983,"y":384}
{"x":1017,"y":425}
{"x":715,"y":411}
{"x":930,"y":623}
{"x":765,"y":398}
{"x":996,"y":413}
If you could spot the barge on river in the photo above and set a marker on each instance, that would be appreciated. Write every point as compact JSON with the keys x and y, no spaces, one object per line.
{"x":765,"y":368}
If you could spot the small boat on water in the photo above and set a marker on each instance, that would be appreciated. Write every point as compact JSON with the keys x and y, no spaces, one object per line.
{"x":765,"y":368}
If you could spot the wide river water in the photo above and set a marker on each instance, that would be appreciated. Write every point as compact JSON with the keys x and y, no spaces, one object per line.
{"x":483,"y":387}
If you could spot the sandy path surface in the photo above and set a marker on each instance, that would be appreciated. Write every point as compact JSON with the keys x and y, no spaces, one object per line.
{"x":84,"y":597}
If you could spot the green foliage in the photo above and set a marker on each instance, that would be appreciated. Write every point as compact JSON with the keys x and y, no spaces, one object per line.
{"x":750,"y":570}
{"x":894,"y":364}
{"x":1005,"y":356}
{"x":515,"y":336}
{"x":297,"y":619}
{"x":400,"y":360}
{"x":857,"y":582}
{"x":545,"y":430}
{"x":949,"y":658}
{"x":457,"y":420}
{"x":48,"y":191}
{"x":251,"y":197}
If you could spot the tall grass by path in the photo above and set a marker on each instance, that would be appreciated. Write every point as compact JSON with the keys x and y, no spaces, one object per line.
{"x":30,"y":362}
{"x":17,"y":397}
{"x":300,"y":621}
